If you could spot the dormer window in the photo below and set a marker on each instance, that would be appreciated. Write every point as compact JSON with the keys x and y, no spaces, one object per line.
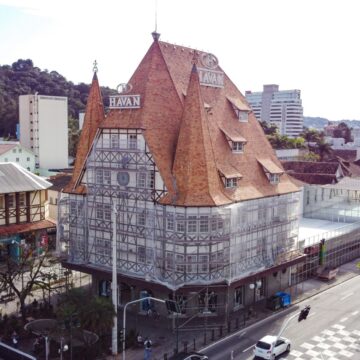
{"x":237,"y":147}
{"x":231,"y":182}
{"x":229,"y":175}
{"x":243,"y":116}
{"x":240,"y":108}
{"x":274,"y":178}
{"x":271,"y":170}
{"x":235,"y":140}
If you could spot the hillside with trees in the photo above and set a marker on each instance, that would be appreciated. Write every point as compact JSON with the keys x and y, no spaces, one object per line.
{"x":23,"y":78}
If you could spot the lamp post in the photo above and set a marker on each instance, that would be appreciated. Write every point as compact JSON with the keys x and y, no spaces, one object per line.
{"x":114,"y":343}
{"x":124,"y":318}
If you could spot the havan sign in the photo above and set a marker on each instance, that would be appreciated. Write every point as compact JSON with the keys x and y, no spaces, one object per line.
{"x":124,"y":102}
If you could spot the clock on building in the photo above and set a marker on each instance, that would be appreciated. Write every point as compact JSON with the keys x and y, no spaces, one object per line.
{"x":123,"y":178}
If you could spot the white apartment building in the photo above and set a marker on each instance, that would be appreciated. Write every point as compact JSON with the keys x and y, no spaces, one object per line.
{"x":44,"y":129}
{"x":13,"y":151}
{"x":282,"y":108}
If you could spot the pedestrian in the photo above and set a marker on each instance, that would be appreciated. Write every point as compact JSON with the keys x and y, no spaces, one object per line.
{"x":15,"y":339}
{"x":148,"y":349}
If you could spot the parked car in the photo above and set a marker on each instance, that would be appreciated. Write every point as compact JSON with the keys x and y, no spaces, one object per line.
{"x":189,"y":356}
{"x":269,"y":348}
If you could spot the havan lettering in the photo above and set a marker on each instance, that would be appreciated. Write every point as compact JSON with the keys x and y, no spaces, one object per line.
{"x":124,"y":101}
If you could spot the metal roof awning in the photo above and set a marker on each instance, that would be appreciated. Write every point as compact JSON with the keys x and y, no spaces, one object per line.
{"x":233,"y":135}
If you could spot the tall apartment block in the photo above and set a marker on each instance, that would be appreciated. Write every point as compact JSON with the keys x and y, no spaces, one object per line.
{"x":282,"y":108}
{"x":44,"y":129}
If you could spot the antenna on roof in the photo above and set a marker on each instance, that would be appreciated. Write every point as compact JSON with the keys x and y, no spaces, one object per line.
{"x":155,"y":34}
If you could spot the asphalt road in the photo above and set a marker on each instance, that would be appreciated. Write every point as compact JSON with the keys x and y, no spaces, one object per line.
{"x":331,"y":331}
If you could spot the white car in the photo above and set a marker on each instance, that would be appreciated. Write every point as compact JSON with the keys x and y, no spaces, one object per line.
{"x":269,"y":348}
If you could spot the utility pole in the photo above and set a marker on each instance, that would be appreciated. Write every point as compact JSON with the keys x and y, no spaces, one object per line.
{"x":114,"y":342}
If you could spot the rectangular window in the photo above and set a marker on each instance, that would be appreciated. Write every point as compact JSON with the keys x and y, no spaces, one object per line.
{"x":237,"y":146}
{"x":17,"y":159}
{"x":99,"y":212}
{"x":27,"y":159}
{"x":11,"y":200}
{"x":169,"y":260}
{"x":141,"y":218}
{"x":99,"y":176}
{"x":6,"y":159}
{"x":204,"y":224}
{"x":22,"y":199}
{"x":141,"y":254}
{"x":243,"y":116}
{"x":191,"y":264}
{"x":151,"y":180}
{"x":170,"y":222}
{"x":73,"y":208}
{"x":14,"y":151}
{"x":192,"y":224}
{"x":20,"y":151}
{"x":107,"y":212}
{"x":180,"y":225}
{"x":230,"y":182}
{"x":239,"y":296}
{"x":141,"y":180}
{"x":204,"y":263}
{"x":274,"y":178}
{"x":132,"y":141}
{"x":180,"y":263}
{"x":114,"y":141}
{"x":107,"y":177}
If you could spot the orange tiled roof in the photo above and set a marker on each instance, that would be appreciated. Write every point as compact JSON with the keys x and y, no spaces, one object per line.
{"x":162,"y":79}
{"x":94,"y":115}
{"x":25,"y":227}
{"x":197,"y":179}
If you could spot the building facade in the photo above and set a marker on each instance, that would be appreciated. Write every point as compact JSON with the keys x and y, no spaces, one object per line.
{"x":23,"y":213}
{"x":281,"y":108}
{"x":14,"y":152}
{"x":44,"y":129}
{"x":180,"y":174}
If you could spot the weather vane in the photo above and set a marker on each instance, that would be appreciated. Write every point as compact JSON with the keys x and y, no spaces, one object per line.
{"x":95,"y":68}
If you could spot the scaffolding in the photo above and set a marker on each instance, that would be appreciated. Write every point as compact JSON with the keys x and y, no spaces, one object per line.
{"x":169,"y":245}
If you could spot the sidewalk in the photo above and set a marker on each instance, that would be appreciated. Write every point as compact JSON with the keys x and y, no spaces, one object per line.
{"x":163,"y":337}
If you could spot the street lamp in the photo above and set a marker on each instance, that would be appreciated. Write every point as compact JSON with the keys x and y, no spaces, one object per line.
{"x":114,"y":343}
{"x":124,"y":318}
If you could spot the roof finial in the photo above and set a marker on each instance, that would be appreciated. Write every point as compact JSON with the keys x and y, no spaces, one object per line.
{"x":155,"y":34}
{"x":195,"y":59}
{"x":95,"y":68}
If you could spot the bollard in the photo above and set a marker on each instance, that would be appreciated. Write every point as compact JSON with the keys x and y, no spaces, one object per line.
{"x":165,"y":356}
{"x":212,"y":334}
{"x":220,"y":331}
{"x":185,"y":343}
{"x":204,"y":338}
{"x":194,"y":344}
{"x":229,"y":326}
{"x":237,"y":323}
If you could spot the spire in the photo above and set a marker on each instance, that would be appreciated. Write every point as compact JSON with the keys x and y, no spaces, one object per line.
{"x":94,"y":114}
{"x":155,"y":34}
{"x":195,"y":170}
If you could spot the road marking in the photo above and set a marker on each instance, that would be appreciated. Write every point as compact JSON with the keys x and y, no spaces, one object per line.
{"x":355,"y":312}
{"x":346,"y":296}
{"x":343,"y":319}
{"x":242,"y":334}
{"x":250,"y":347}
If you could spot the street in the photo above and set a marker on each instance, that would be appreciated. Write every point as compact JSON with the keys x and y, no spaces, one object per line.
{"x":331,"y":331}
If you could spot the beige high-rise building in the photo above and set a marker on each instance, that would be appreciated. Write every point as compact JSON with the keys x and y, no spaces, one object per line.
{"x":44,"y":129}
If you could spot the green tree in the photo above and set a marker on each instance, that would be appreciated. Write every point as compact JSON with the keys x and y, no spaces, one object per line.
{"x":323,"y":149}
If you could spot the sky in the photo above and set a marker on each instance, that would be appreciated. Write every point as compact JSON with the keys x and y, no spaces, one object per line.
{"x":310,"y":45}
